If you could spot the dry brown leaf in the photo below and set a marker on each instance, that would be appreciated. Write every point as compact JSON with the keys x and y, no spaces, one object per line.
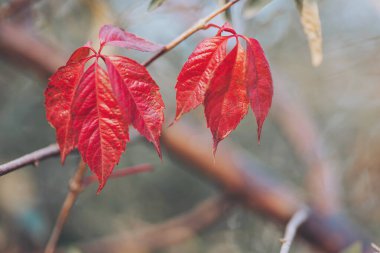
{"x":309,"y":14}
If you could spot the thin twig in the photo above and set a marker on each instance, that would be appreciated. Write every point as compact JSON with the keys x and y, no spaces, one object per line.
{"x":196,"y":27}
{"x":36,"y":156}
{"x":291,"y":228}
{"x":75,"y":187}
{"x":120,"y":173}
{"x":31,"y":158}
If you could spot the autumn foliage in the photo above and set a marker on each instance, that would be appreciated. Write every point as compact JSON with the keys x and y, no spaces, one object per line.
{"x":225,"y":83}
{"x":92,"y":108}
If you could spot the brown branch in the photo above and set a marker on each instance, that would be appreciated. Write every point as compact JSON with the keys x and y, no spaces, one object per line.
{"x":239,"y":175}
{"x":16,"y":42}
{"x":291,"y":228}
{"x":201,"y":24}
{"x":301,"y":132}
{"x":75,"y":187}
{"x":13,"y":7}
{"x":159,"y":236}
{"x":32,"y":158}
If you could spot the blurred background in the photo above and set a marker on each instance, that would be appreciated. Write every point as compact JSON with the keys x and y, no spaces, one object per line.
{"x":321,"y":139}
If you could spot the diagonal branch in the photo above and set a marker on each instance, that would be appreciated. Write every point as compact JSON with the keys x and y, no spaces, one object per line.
{"x":291,"y":228}
{"x":171,"y":232}
{"x":32,"y":158}
{"x":200,"y":25}
{"x":75,"y":186}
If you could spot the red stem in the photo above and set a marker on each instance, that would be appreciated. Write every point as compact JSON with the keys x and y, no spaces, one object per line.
{"x":120,"y":173}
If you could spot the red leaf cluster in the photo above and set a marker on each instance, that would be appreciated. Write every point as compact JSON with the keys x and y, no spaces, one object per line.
{"x":225,"y":82}
{"x":92,"y":108}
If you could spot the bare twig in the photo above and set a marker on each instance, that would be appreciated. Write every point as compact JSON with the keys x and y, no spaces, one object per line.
{"x":291,"y":228}
{"x":32,"y":158}
{"x":201,"y":24}
{"x":121,"y":173}
{"x":75,"y":187}
{"x":171,"y":232}
{"x":36,"y":156}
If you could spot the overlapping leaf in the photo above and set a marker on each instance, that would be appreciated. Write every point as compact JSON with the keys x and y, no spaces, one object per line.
{"x":196,"y":74}
{"x":226,"y":101}
{"x":92,"y":109}
{"x":225,"y":83}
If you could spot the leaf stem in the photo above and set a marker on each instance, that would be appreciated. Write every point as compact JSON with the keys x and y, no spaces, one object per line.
{"x":120,"y":173}
{"x":200,"y":25}
{"x":75,"y":186}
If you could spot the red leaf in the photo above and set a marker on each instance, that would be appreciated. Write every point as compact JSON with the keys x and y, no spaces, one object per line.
{"x":59,"y":97}
{"x":80,"y":54}
{"x":98,"y":123}
{"x":196,"y":74}
{"x":259,"y":83}
{"x":115,"y":36}
{"x":226,"y":101}
{"x":225,"y":84}
{"x":92,"y":109}
{"x":138,"y":96}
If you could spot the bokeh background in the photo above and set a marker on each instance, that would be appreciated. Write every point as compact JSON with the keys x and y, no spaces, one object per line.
{"x":340,"y":99}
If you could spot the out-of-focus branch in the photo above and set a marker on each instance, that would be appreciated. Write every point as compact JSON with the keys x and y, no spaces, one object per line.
{"x":229,"y":171}
{"x":301,"y":132}
{"x":241,"y":177}
{"x":159,"y":236}
{"x":8,"y":9}
{"x":19,"y":45}
{"x":32,"y":158}
{"x":36,"y":156}
{"x":75,"y":187}
{"x":291,"y":228}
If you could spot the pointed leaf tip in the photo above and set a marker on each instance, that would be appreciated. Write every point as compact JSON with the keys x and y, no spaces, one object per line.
{"x":101,"y":133}
{"x":226,"y":102}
